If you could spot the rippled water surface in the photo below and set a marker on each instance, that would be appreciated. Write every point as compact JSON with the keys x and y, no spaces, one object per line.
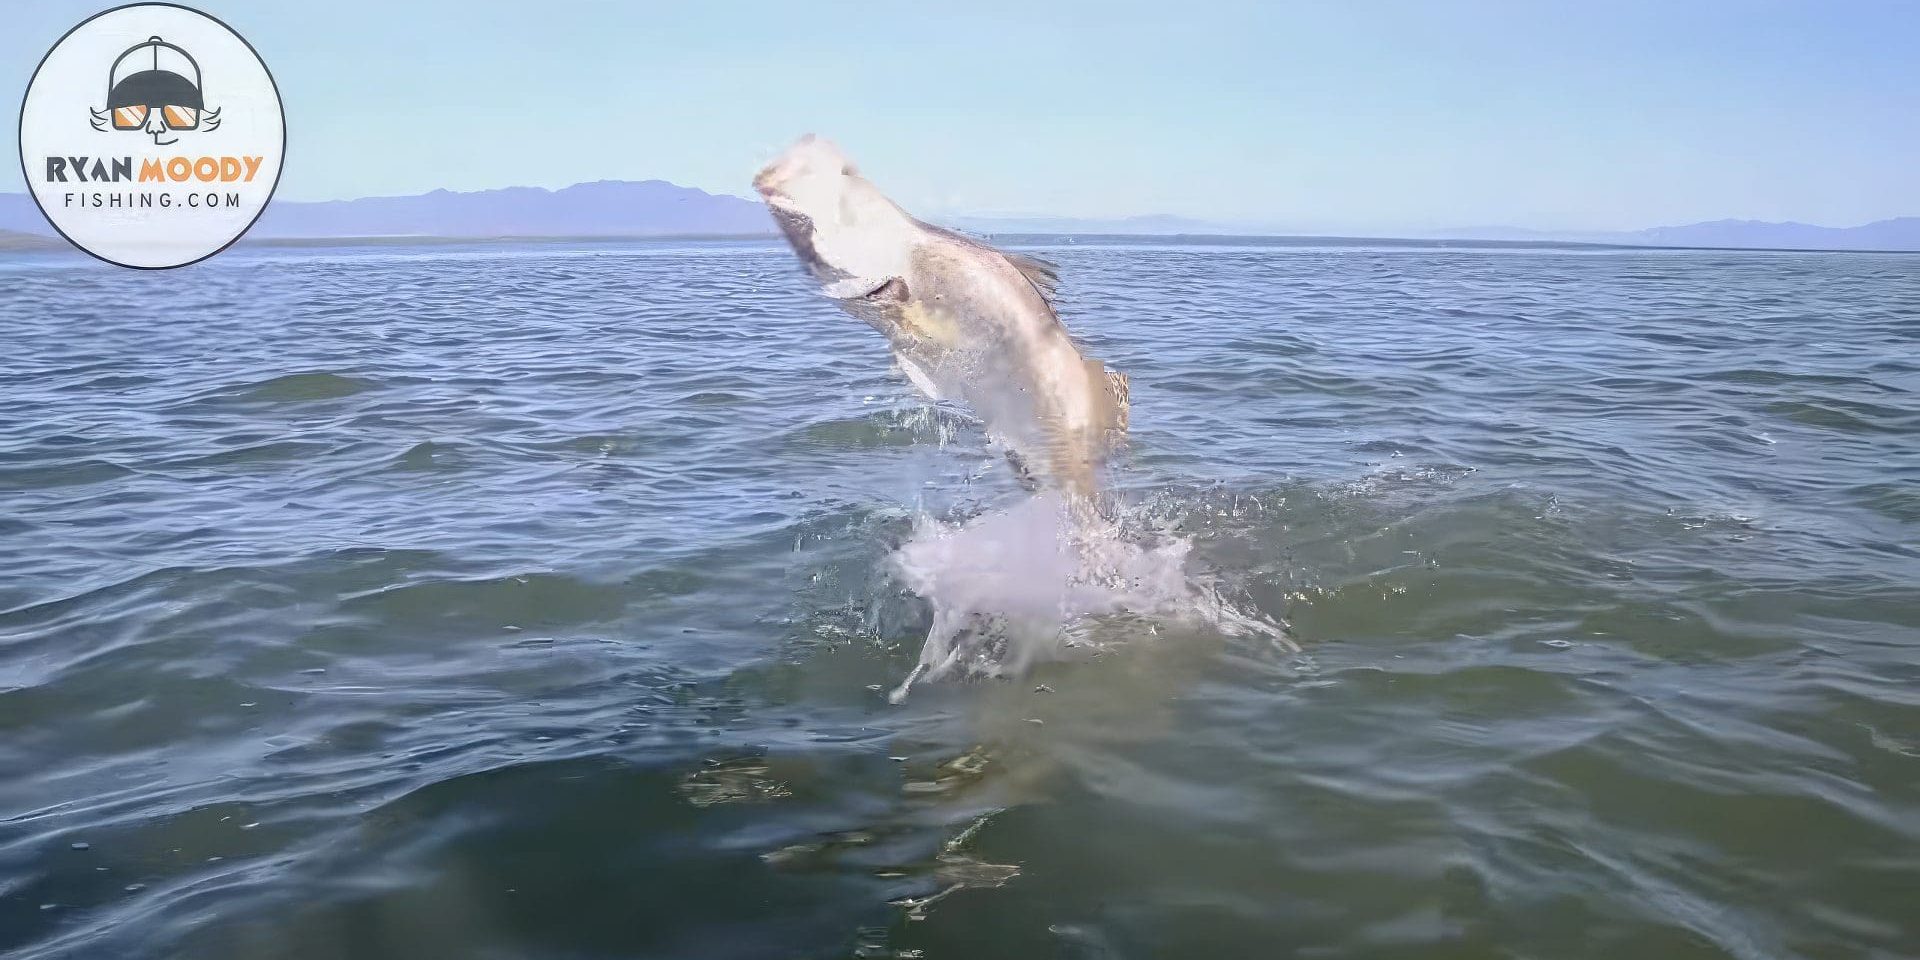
{"x":536,"y":601}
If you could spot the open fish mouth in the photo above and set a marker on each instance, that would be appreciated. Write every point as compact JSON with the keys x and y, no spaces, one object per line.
{"x":796,"y":225}
{"x":798,"y":228}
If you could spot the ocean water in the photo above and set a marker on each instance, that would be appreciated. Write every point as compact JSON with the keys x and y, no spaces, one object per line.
{"x":543,"y":601}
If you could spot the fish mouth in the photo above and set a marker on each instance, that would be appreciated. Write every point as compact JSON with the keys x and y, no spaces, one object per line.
{"x":799,"y":230}
{"x":776,"y":200}
{"x":769,"y":180}
{"x":784,"y":168}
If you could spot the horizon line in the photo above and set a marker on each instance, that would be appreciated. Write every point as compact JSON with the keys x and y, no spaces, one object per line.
{"x":1248,"y":228}
{"x":52,"y":243}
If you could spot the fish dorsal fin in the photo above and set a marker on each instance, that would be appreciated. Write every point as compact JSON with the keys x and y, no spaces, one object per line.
{"x":1110,"y":386}
{"x":1044,"y":276}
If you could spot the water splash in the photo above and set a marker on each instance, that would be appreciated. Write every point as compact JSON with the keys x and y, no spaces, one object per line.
{"x":1017,"y":586}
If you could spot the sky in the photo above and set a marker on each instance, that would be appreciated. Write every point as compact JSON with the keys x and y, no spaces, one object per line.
{"x":1366,"y":115}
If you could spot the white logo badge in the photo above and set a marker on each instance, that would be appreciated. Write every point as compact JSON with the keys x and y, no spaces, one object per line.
{"x":152,"y":136}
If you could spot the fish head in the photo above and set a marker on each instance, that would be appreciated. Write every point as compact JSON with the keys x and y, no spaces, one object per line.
{"x":845,"y":230}
{"x":811,"y":178}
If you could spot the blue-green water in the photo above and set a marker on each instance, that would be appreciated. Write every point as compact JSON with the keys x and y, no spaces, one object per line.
{"x":536,"y":601}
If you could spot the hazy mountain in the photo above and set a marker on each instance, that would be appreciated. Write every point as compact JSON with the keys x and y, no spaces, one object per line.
{"x":17,"y":240}
{"x":602,"y":208}
{"x":605,"y":208}
{"x":19,"y":215}
{"x":659,"y":208}
{"x":1901,"y":233}
{"x":1152,"y":225}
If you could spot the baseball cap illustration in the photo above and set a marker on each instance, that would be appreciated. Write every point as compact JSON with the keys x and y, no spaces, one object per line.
{"x":154,"y":87}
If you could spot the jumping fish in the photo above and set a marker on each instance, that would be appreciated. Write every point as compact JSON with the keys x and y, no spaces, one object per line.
{"x":966,"y":322}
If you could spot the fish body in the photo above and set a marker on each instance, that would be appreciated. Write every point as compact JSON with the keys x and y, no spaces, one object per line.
{"x":966,"y":322}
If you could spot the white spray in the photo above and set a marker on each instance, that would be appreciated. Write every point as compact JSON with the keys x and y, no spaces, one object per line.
{"x":1017,"y":586}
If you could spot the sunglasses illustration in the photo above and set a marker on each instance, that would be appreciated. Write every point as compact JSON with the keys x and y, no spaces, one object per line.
{"x":176,"y":118}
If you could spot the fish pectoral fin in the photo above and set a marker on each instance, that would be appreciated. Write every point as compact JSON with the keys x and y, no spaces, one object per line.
{"x":1111,"y":386}
{"x":1044,"y":276}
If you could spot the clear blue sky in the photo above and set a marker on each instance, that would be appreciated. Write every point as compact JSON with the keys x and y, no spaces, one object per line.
{"x":1333,"y":116}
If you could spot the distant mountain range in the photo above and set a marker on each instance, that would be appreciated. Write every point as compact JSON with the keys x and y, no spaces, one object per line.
{"x":1151,"y":225}
{"x":624,"y":208}
{"x":607,"y":208}
{"x":1900,"y":233}
{"x":603,"y":208}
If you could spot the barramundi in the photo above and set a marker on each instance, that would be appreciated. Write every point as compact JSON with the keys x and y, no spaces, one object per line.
{"x":967,"y":322}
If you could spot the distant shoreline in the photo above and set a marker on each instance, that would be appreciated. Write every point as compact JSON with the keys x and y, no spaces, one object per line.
{"x":431,"y":240}
{"x":15,"y":242}
{"x":622,"y":210}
